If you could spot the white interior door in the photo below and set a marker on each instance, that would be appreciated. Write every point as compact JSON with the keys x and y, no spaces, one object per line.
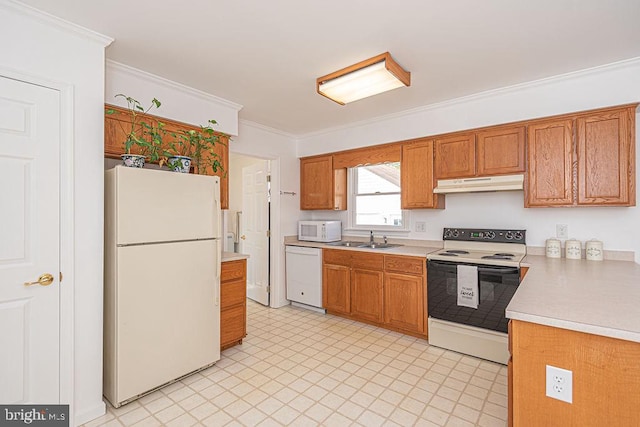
{"x":254,"y":240}
{"x":29,"y":242}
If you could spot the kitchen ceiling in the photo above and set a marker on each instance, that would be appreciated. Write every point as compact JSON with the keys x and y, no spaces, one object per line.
{"x":266,"y":55}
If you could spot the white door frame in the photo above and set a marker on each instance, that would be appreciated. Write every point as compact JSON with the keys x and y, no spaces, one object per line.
{"x":67,"y":230}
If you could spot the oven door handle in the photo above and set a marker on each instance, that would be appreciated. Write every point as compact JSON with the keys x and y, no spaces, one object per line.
{"x":446,"y":266}
{"x":502,"y":270}
{"x":452,"y":266}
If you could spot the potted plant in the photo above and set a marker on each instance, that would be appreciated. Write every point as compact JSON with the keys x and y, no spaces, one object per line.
{"x":143,"y":132}
{"x":199,"y":145}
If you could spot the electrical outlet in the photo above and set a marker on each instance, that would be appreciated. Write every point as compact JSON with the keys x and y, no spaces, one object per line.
{"x":559,"y":384}
{"x":421,"y":226}
{"x":562,"y":231}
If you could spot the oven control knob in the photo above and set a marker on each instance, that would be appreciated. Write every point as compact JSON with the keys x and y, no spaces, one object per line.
{"x":518,"y":235}
{"x":455,"y":233}
{"x":509,"y":235}
{"x":489,"y":235}
{"x":447,"y":233}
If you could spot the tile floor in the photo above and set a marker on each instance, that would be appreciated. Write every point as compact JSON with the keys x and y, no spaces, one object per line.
{"x":301,"y":368}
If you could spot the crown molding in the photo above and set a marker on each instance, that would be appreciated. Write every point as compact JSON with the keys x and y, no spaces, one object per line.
{"x":54,"y":21}
{"x":265,"y":128}
{"x":600,"y":69}
{"x":143,"y":75}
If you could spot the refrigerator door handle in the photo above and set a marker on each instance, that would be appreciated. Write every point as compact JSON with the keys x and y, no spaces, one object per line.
{"x":218,"y":268}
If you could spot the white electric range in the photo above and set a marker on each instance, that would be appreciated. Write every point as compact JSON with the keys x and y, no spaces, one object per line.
{"x":470,"y":282}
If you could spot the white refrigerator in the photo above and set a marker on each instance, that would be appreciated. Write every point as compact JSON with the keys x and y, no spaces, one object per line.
{"x":162,"y":278}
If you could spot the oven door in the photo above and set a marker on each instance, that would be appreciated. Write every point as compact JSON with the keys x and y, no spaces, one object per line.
{"x":496,"y":286}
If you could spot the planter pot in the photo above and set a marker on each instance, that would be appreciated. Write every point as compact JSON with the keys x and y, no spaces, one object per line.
{"x":133,"y":160}
{"x":179,"y":164}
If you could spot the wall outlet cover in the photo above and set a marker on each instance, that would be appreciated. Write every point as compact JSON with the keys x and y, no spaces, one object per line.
{"x":562,"y":231}
{"x":559,"y":384}
{"x":421,"y":226}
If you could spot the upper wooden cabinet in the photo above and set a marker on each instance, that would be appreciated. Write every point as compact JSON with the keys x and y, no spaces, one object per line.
{"x":416,"y":176}
{"x":493,"y":151}
{"x":583,"y":160}
{"x":579,"y":159}
{"x":501,"y":151}
{"x":550,"y":173}
{"x":322,"y":187}
{"x":606,"y":158}
{"x":115,"y":126}
{"x":455,"y":156}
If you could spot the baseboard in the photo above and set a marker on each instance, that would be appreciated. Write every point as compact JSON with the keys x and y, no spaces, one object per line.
{"x":90,"y":414}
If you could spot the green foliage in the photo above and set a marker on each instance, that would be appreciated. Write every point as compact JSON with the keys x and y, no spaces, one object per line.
{"x":146,"y":134}
{"x":151,"y":137}
{"x":199,"y":145}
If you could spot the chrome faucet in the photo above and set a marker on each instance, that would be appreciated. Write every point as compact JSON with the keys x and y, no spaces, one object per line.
{"x":385,"y":239}
{"x":371,"y":237}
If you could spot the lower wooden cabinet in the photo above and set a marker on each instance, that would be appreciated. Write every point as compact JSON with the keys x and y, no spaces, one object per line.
{"x":405,"y":296}
{"x":233,"y":303}
{"x":366,"y":288}
{"x":383,"y":290}
{"x":336,"y":288}
{"x":606,"y":377}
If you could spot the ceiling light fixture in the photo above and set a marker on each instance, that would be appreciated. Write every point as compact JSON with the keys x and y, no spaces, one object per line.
{"x":367,"y":78}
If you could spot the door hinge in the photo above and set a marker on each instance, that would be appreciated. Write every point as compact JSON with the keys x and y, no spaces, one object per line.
{"x":268,"y":233}
{"x":268,"y":178}
{"x":60,"y":276}
{"x":269,"y":289}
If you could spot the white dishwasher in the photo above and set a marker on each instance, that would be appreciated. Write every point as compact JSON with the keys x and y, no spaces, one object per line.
{"x":304,"y":275}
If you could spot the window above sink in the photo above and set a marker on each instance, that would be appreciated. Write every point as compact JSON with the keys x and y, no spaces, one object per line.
{"x":374,"y":198}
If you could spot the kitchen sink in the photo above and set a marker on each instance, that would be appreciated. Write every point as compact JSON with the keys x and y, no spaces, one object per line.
{"x":346,"y":243}
{"x":378,"y":245}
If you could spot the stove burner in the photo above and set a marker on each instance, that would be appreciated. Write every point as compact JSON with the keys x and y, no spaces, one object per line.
{"x":498,"y":256}
{"x":457,"y":251}
{"x":447,"y":254}
{"x":503,"y":254}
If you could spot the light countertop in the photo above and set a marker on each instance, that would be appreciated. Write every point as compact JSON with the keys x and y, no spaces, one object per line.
{"x":596,"y":297}
{"x":407,"y":250}
{"x":232,"y":256}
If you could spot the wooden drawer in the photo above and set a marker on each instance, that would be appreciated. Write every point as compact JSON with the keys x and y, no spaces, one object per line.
{"x":336,"y":257}
{"x":232,"y":293}
{"x":233,"y":270}
{"x":232,"y":325}
{"x":404,"y":264}
{"x":367,"y":261}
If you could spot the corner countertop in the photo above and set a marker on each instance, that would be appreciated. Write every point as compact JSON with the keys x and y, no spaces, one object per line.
{"x":406,"y":249}
{"x":232,"y":256}
{"x":595,"y":297}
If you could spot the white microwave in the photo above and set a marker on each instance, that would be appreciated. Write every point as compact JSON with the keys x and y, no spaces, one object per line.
{"x":320,"y":231}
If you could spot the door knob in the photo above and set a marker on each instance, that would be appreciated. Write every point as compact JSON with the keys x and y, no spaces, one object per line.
{"x":45,"y":280}
{"x":243,"y":237}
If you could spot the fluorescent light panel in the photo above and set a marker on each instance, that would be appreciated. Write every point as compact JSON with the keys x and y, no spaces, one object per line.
{"x":371,"y":77}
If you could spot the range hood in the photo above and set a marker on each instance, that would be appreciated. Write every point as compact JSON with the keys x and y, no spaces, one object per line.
{"x":478,"y":184}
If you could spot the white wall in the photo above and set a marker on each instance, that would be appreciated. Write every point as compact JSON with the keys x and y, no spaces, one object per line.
{"x":259,"y":141}
{"x":179,"y":102}
{"x":615,"y":84}
{"x":37,"y":46}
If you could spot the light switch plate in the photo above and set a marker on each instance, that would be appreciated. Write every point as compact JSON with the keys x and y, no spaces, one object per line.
{"x":421,"y":226}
